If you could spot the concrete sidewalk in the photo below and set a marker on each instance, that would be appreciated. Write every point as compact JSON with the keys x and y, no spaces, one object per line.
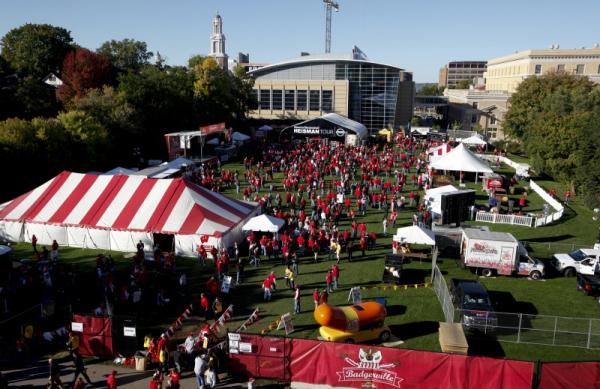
{"x":36,"y":376}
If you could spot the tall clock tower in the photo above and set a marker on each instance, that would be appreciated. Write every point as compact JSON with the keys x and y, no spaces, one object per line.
{"x":217,"y":43}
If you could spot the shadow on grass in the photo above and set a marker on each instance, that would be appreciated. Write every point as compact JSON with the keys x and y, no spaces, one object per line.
{"x":484,"y":345}
{"x":505,"y":302}
{"x":415,"y":329}
{"x":414,"y":276}
{"x":549,"y":239}
{"x":394,"y":310}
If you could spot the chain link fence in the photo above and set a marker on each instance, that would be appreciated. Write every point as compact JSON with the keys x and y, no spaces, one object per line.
{"x":443,"y":294}
{"x":539,"y":329}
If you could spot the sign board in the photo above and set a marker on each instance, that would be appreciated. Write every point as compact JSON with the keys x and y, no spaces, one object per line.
{"x":356,"y":295}
{"x":286,"y":322}
{"x":234,"y":336}
{"x":76,"y":327}
{"x":245,"y":347}
{"x":212,"y":128}
{"x":129,"y":331}
{"x":226,"y":284}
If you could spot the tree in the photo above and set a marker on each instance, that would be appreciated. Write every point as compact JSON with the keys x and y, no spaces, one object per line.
{"x":430,"y":90}
{"x":126,"y":55}
{"x":36,"y":49}
{"x":463,"y":84}
{"x":93,"y":146}
{"x":214,"y":88}
{"x":414,"y":122}
{"x":242,"y":91}
{"x":32,"y":98}
{"x":83,"y":70}
{"x":547,"y":114}
{"x":195,"y":61}
{"x":587,"y":171}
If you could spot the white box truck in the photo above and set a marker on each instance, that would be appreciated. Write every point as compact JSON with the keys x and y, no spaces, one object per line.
{"x":497,"y":252}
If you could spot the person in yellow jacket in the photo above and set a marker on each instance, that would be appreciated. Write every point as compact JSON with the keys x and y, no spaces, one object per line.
{"x":73,"y":343}
{"x":289,"y":276}
{"x":337,"y":251}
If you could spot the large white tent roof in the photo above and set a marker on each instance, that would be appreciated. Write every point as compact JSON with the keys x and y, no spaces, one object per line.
{"x":461,"y":159}
{"x":264,"y":223}
{"x":434,"y":197}
{"x":415,"y":235}
{"x":473,"y":140}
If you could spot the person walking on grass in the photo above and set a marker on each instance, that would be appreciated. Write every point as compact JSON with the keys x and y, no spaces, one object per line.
{"x":79,"y":369}
{"x":316,"y":297}
{"x":297,"y":300}
{"x":329,"y":279}
{"x":335,"y":271}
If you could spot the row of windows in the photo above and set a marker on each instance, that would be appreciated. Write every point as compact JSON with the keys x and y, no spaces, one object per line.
{"x":467,"y":71}
{"x":294,"y":100}
{"x":539,"y":69}
{"x":579,"y":69}
{"x":468,"y":65}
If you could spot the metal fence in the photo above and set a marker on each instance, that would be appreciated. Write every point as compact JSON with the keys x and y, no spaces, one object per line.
{"x":443,"y":294}
{"x":546,"y":250}
{"x":538,"y":329}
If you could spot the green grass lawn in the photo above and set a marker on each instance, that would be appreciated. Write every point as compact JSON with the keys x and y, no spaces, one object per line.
{"x":413,"y":313}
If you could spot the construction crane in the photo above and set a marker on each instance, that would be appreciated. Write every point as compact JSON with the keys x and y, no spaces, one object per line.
{"x":328,"y":5}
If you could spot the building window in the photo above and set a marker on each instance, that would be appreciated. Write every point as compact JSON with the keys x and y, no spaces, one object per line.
{"x":475,"y":104}
{"x":289,"y":100}
{"x":579,"y":69}
{"x":492,"y":133}
{"x":474,"y":119}
{"x":277,"y":98}
{"x":315,"y":96}
{"x":561,"y":68}
{"x":538,"y":69}
{"x":493,"y":119}
{"x":327,"y":101}
{"x":301,"y":100}
{"x":265,"y":99}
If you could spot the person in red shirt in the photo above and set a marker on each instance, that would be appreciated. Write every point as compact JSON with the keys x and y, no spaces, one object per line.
{"x":111,"y":382}
{"x":521,"y":203}
{"x":552,"y":193}
{"x":363,"y":245}
{"x":316,"y":297}
{"x":267,"y":289}
{"x":205,"y":305}
{"x":175,"y":376}
{"x":335,"y":271}
{"x":329,"y":279}
{"x":324,"y":296}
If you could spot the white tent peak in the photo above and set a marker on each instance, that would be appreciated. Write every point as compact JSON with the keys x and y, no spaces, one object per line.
{"x":415,"y":235}
{"x":461,"y":159}
{"x":264,"y":223}
{"x":473,"y":140}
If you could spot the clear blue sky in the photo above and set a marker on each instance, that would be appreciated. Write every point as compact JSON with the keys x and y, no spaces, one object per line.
{"x":419,"y":36}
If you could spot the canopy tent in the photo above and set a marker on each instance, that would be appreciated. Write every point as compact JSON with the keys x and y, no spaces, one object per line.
{"x":434,"y":198}
{"x":415,"y":235}
{"x":238,"y":136}
{"x":460,"y":159}
{"x":119,"y":170}
{"x":264,"y":223}
{"x":473,"y":141}
{"x":214,"y":141}
{"x":115,"y":212}
{"x":177,"y":163}
{"x":265,"y":128}
{"x":333,"y":126}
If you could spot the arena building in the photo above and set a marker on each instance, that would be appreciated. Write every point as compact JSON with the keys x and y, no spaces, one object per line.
{"x":348,"y":84}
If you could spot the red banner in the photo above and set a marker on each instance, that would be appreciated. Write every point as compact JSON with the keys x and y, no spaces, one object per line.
{"x":212,"y":128}
{"x":570,"y":375}
{"x":96,"y":338}
{"x":347,"y":365}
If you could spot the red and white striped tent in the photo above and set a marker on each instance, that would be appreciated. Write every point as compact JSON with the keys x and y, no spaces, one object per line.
{"x":116,"y":212}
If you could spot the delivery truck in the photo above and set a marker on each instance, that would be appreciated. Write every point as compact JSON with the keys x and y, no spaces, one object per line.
{"x":497,"y":252}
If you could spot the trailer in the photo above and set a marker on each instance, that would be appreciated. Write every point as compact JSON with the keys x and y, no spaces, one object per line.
{"x":497,"y":252}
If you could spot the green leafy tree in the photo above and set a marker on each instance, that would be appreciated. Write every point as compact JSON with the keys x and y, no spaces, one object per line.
{"x":214,"y":89}
{"x":242,"y":91}
{"x":127,"y":54}
{"x":33,"y":98}
{"x":547,"y":113}
{"x":430,"y":90}
{"x":195,"y":61}
{"x":90,"y":136}
{"x":83,"y":70}
{"x":462,"y":84}
{"x":414,"y":122}
{"x":587,"y":171}
{"x":36,"y":49}
{"x":456,"y":125}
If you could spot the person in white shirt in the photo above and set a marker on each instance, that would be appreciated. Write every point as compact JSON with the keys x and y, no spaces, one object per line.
{"x":199,"y":369}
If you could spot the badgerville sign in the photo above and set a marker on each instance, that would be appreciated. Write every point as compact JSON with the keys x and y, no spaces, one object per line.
{"x":318,"y":131}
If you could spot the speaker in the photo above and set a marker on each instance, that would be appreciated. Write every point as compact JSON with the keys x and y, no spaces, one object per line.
{"x":455,"y":206}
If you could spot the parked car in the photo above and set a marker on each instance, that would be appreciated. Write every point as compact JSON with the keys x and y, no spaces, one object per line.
{"x":476,"y":309}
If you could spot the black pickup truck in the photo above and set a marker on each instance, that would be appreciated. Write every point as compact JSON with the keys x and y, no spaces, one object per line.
{"x":589,"y":285}
{"x":476,"y":310}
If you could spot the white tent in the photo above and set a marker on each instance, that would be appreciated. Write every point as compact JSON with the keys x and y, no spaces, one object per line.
{"x":473,"y":140}
{"x":415,"y":235}
{"x":266,"y":128}
{"x":461,"y":159}
{"x":264,"y":223}
{"x":119,"y":170}
{"x":434,"y":198}
{"x":238,"y":136}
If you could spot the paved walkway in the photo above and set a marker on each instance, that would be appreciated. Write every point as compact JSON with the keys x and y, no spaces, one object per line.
{"x":36,"y":376}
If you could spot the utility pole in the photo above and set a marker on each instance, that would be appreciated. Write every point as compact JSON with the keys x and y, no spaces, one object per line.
{"x":328,"y":5}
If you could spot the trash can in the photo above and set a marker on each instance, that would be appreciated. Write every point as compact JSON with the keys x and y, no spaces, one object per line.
{"x":141,"y":361}
{"x":48,"y":308}
{"x":511,"y":205}
{"x":511,"y":190}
